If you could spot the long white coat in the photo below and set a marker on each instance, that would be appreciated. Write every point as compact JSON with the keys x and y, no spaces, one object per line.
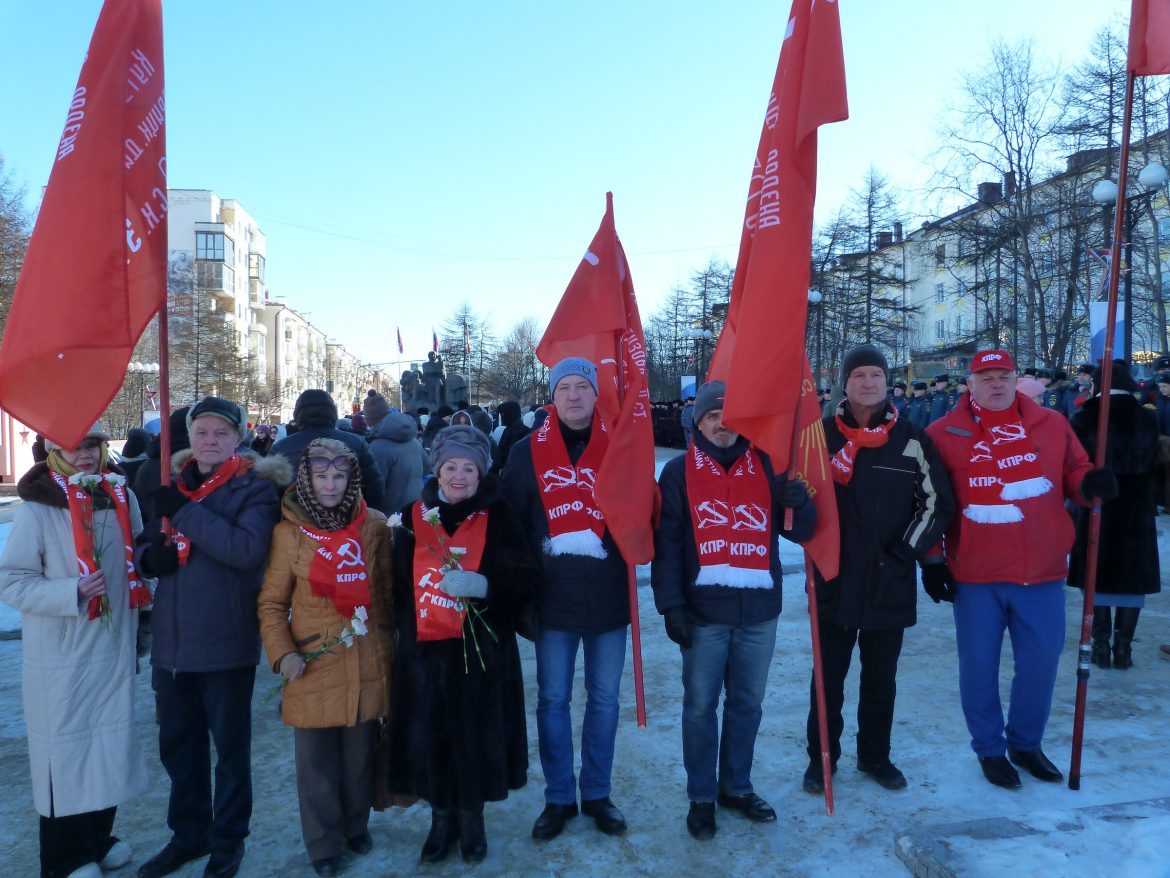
{"x":78,"y":675}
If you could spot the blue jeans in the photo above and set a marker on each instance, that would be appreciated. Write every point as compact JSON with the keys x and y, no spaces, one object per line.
{"x":556,"y":663}
{"x":1033,"y":616}
{"x":735,"y":659}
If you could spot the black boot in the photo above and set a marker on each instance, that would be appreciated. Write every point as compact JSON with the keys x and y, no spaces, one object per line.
{"x":444,"y":831}
{"x":472,"y":839}
{"x":1124,"y":625}
{"x":1101,"y":627}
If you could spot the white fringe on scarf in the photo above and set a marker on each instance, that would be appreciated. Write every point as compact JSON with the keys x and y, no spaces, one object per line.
{"x":1025,"y":489}
{"x":733,"y":577}
{"x":578,"y":542}
{"x":1001,"y":513}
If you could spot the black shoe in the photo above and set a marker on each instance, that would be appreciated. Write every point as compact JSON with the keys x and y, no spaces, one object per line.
{"x":1035,"y":763}
{"x":360,"y":844}
{"x":551,"y":821}
{"x":327,"y":868}
{"x":750,"y":806}
{"x":885,"y":773}
{"x":472,"y":839}
{"x":225,"y":863}
{"x":814,"y":778}
{"x":169,"y":859}
{"x":1000,"y":772}
{"x":444,"y":831}
{"x":605,"y":814}
{"x":701,"y":820}
{"x":1101,"y":654}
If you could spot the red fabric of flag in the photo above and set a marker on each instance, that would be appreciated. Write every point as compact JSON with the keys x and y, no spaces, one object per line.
{"x":598,"y":319}
{"x":1149,"y":37}
{"x":434,"y":341}
{"x":95,"y":271}
{"x":467,"y":338}
{"x":761,"y":347}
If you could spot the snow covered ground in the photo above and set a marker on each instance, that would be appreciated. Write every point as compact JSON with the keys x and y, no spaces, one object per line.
{"x":1126,"y":759}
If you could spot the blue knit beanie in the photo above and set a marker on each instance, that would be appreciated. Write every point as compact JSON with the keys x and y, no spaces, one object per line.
{"x":572,"y":366}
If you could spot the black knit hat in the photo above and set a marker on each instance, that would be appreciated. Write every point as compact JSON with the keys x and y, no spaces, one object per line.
{"x":1122,"y":378}
{"x":709,"y":398}
{"x":315,"y":407}
{"x":863,"y":355}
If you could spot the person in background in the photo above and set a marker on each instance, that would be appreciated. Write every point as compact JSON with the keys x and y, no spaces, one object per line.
{"x":514,"y":429}
{"x":134,"y":453}
{"x":149,"y":474}
{"x":1032,"y":388}
{"x":265,"y":439}
{"x":329,"y":564}
{"x":394,"y":444}
{"x":65,"y":568}
{"x":918,"y":405}
{"x":1127,"y":560}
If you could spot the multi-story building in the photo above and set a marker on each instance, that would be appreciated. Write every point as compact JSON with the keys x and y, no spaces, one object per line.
{"x":297,"y":351}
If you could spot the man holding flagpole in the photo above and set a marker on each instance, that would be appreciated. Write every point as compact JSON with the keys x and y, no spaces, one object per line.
{"x":549,"y":482}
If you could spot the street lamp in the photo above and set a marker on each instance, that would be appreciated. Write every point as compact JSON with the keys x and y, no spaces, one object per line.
{"x":816,"y":300}
{"x":142,"y":370}
{"x":1152,"y":177}
{"x":701,"y":337}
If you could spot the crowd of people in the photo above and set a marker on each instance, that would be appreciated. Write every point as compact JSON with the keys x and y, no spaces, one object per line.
{"x":381,"y":566}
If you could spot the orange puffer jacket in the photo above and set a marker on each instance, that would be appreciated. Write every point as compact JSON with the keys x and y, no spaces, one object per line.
{"x":351,"y":685}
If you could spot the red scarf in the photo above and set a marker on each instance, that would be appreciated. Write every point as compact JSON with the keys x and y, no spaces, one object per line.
{"x":859,"y":437}
{"x":1004,"y":465}
{"x":81,"y":514}
{"x":228,"y":470}
{"x":338,"y":569}
{"x":439,"y":616}
{"x":575,"y":524}
{"x":731,"y":513}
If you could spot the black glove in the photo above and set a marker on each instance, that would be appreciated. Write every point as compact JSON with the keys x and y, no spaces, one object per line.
{"x":792,"y":494}
{"x":1099,"y":483}
{"x":167,"y":500}
{"x":679,"y":626}
{"x":160,"y":558}
{"x":938,"y":582}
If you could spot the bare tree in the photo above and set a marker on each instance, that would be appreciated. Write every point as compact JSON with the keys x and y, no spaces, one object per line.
{"x":514,"y":372}
{"x":15,"y":228}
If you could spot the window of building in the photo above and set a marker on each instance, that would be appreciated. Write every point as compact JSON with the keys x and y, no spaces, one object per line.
{"x":1164,"y":228}
{"x":940,"y":293}
{"x":958,"y":324}
{"x":256,"y":267}
{"x":940,"y":254}
{"x":940,"y":330}
{"x":229,"y":250}
{"x":209,"y":245}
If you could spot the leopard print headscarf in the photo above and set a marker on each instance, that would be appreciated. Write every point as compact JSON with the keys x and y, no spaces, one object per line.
{"x":339,"y":516}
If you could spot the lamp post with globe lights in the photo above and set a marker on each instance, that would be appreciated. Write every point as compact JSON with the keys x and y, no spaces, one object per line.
{"x":141,"y":371}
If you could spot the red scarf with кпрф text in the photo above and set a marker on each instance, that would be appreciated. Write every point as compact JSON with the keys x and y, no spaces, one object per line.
{"x":1004,"y":465}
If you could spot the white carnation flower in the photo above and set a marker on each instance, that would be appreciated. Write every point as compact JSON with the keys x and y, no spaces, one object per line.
{"x":394,"y":520}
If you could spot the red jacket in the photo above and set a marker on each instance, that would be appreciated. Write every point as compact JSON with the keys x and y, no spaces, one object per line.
{"x":1024,"y":552}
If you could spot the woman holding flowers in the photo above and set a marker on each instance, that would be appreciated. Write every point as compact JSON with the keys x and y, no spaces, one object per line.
{"x":68,"y":569}
{"x":461,"y":574}
{"x":330,"y":565}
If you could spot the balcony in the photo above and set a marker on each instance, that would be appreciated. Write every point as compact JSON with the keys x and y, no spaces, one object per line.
{"x":257,"y":298}
{"x":215,"y":277}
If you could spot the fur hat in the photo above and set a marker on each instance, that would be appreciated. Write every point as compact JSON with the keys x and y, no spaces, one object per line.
{"x":863,"y":355}
{"x":97,"y":431}
{"x":221,"y":408}
{"x":461,"y":440}
{"x":572,"y":366}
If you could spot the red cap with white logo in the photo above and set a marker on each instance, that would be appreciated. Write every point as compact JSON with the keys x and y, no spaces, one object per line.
{"x":992,"y":360}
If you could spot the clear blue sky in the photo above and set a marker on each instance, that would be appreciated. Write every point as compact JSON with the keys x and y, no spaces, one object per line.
{"x":403,"y":158}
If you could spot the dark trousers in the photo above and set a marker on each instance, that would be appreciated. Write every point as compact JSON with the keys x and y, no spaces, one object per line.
{"x":68,"y":843}
{"x":334,"y":785}
{"x":875,"y":702}
{"x":194,"y":710}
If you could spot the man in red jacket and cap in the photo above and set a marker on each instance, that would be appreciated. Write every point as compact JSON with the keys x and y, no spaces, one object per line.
{"x":1012,"y":465}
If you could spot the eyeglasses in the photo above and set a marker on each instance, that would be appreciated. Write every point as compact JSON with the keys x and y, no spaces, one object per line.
{"x":341,"y":463}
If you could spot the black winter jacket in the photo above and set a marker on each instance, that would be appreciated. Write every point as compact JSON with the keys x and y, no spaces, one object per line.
{"x":896,"y":507}
{"x":579,"y":594}
{"x":1127,"y":561}
{"x":205,"y":612}
{"x":676,"y":557}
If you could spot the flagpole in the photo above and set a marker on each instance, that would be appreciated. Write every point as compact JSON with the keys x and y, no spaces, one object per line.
{"x":631,"y":570}
{"x":819,"y":684}
{"x":164,"y":393}
{"x":1090,"y":585}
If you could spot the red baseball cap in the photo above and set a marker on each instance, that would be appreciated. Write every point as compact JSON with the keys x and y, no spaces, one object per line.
{"x":997,"y":359}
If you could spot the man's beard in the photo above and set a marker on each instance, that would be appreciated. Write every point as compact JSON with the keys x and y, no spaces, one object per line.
{"x":724,"y":439}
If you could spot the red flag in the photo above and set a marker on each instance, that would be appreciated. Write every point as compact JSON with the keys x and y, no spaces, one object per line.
{"x":760,"y":356}
{"x":95,"y":272}
{"x":598,"y":319}
{"x":1149,"y":37}
{"x":467,"y":338}
{"x":434,"y":340}
{"x":399,"y":341}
